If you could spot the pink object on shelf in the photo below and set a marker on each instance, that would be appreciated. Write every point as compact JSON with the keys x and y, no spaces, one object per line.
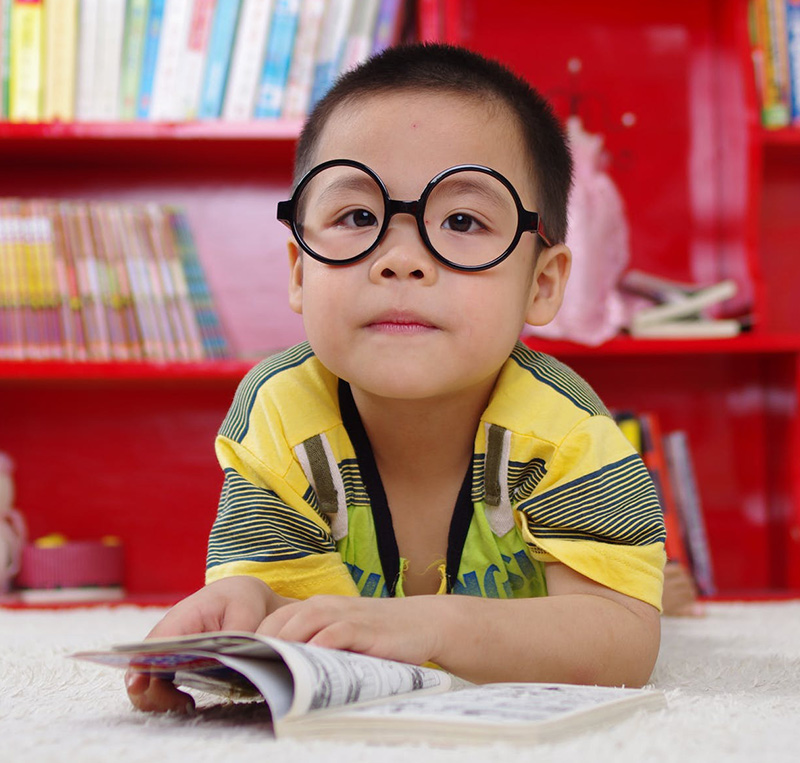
{"x":74,"y":564}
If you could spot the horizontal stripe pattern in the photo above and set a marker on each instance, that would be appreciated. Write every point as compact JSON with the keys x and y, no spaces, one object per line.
{"x":523,"y":477}
{"x":616,"y":504}
{"x":253,"y":524}
{"x":353,"y":485}
{"x":237,"y":422}
{"x":559,"y":377}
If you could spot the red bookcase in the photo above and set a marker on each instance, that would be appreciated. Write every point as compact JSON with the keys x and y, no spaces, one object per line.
{"x":127,"y":449}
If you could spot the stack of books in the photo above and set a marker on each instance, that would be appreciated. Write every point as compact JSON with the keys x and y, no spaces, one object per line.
{"x":775,"y":47}
{"x":179,"y":60}
{"x":679,"y":310}
{"x":102,"y":281}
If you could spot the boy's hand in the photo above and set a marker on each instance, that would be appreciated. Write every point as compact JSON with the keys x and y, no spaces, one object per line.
{"x":236,"y":603}
{"x":398,"y":629}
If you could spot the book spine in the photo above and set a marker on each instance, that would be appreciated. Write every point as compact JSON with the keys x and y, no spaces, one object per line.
{"x":14,"y":345}
{"x":775,"y":107}
{"x":35,"y":336}
{"x":136,"y":14}
{"x":684,"y":482}
{"x":793,"y":49}
{"x":195,"y":56}
{"x":213,"y":338}
{"x":109,"y":282}
{"x":332,"y":38}
{"x":151,"y":348}
{"x":88,"y":31}
{"x":74,"y":348}
{"x":166,"y":103}
{"x":41,"y":236}
{"x":358,"y":44}
{"x":301,"y":71}
{"x":109,"y":59}
{"x":387,"y":28}
{"x":67,"y":226}
{"x":26,"y":61}
{"x":655,"y":461}
{"x":152,"y":40}
{"x":5,"y":55}
{"x":61,"y":49}
{"x":247,"y":60}
{"x":223,"y":30}
{"x":277,"y":60}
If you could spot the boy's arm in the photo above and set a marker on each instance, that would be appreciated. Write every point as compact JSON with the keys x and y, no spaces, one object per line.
{"x":581,"y":632}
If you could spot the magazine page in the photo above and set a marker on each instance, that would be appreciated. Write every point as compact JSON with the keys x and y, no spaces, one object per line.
{"x":510,"y":712}
{"x":331,"y":678}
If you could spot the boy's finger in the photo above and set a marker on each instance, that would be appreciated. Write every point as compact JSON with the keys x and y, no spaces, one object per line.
{"x":153,"y":695}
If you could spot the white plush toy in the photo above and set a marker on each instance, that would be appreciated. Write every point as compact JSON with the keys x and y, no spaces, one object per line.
{"x":12,"y":526}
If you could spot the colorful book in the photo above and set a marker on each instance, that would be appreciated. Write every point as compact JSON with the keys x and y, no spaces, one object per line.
{"x":60,"y":57}
{"x":247,"y":60}
{"x":387,"y":28}
{"x":25,"y":87}
{"x":793,"y":50}
{"x":301,"y":71}
{"x":152,"y":40}
{"x":335,"y":24}
{"x":111,"y":27}
{"x":654,"y":459}
{"x":770,"y":30}
{"x":360,"y":34}
{"x":220,"y":44}
{"x":166,"y":105}
{"x":211,"y":332}
{"x":72,"y":318}
{"x":687,"y":497}
{"x":88,"y":43}
{"x":136,"y":15}
{"x":194,"y":57}
{"x":278,"y":58}
{"x":5,"y":55}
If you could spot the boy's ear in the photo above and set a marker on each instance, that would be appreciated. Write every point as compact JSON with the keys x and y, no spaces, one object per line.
{"x":295,"y":278}
{"x":549,"y":281}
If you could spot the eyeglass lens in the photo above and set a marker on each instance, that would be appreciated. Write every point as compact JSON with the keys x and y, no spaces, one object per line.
{"x":470,"y":217}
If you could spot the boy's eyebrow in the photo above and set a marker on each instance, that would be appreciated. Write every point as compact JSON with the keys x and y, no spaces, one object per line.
{"x":350,"y":182}
{"x":493,"y":191}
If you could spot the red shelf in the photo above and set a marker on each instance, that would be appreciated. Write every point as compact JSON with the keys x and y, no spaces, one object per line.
{"x":753,"y":344}
{"x":58,"y":371}
{"x":786,"y":136}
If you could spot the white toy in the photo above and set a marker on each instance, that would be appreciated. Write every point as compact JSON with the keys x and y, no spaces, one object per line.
{"x":12,"y":526}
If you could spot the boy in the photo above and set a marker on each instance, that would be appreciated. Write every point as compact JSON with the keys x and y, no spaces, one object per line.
{"x":412,"y":447}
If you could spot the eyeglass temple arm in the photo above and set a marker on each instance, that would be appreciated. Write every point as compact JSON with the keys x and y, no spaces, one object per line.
{"x":533,"y":221}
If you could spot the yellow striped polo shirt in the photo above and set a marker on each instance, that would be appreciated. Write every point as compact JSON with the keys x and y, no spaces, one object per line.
{"x":552,"y":478}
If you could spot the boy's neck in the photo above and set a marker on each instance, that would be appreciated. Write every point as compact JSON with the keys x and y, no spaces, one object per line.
{"x":432,"y":434}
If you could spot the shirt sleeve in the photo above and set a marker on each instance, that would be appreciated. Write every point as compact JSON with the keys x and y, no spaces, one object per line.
{"x":265,"y":528}
{"x":596,"y":510}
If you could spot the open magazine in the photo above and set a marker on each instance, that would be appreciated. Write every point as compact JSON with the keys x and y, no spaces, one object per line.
{"x":320,"y":693}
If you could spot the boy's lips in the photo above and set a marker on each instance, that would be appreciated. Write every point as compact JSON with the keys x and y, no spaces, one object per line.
{"x":401,"y":322}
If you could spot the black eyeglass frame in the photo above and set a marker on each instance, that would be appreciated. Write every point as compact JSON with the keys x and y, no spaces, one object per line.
{"x":526,"y":220}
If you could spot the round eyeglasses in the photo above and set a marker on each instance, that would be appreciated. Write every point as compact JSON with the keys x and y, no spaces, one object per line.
{"x":470,"y":217}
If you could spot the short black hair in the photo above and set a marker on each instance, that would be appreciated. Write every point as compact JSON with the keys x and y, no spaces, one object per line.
{"x":452,"y":69}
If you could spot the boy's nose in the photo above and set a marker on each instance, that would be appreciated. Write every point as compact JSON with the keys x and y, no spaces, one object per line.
{"x":402,"y":253}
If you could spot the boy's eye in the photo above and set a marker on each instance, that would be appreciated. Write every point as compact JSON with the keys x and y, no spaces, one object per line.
{"x":358,"y":218}
{"x":460,"y":222}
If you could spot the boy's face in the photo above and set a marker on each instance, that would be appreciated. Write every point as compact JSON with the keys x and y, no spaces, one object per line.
{"x":399,"y":324}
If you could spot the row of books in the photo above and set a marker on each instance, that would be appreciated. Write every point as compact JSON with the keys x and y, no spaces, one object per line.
{"x":180,"y":60}
{"x":775,"y":44}
{"x":102,"y":281}
{"x":668,"y":458}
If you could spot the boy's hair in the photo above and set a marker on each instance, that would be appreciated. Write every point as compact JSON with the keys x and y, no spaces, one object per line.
{"x":436,"y":67}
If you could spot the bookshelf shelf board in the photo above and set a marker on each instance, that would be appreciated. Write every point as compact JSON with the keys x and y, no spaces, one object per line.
{"x":745,"y":344}
{"x":267,"y":129}
{"x":208,"y":371}
{"x":786,"y":136}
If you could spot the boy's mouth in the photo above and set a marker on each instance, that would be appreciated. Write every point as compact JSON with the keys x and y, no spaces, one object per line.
{"x":401,"y":322}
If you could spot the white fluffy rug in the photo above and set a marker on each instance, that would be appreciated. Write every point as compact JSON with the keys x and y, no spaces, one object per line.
{"x":732,"y":679}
